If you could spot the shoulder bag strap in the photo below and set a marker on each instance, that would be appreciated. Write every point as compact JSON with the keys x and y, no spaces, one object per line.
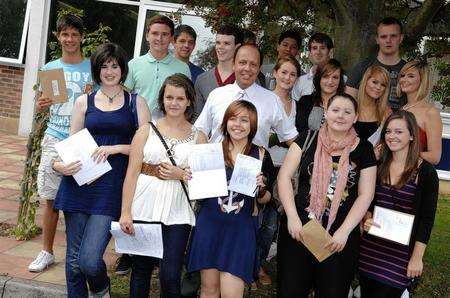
{"x":308,"y":141}
{"x":169,"y":154}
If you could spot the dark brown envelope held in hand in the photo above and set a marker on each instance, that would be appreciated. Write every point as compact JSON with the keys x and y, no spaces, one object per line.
{"x":315,"y":237}
{"x":53,"y":85}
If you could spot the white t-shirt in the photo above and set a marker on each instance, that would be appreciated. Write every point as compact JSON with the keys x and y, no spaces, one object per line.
{"x":303,"y":85}
{"x":269,"y":108}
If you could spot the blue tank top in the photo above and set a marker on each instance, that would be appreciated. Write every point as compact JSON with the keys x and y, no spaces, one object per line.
{"x":104,"y":195}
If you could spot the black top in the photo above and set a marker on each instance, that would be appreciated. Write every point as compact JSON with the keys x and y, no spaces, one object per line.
{"x":356,"y":74}
{"x":360,"y":158}
{"x":425,"y":202}
{"x":304,"y":108}
{"x":269,"y":171}
{"x":365,"y":129}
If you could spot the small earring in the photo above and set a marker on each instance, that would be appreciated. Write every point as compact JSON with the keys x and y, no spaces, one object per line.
{"x":411,"y":139}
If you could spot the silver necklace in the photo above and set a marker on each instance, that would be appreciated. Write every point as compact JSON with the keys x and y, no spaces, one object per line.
{"x":407,"y":107}
{"x":110,"y":98}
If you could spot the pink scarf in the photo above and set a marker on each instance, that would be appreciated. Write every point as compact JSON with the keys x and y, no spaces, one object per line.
{"x":322,"y":172}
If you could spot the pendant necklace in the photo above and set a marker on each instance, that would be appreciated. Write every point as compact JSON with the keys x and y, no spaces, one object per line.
{"x":407,"y":107}
{"x":110,"y":98}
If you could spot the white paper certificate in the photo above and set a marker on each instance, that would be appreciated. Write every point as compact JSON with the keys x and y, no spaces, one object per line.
{"x":146,"y":241}
{"x":80,"y":146}
{"x":208,"y":172}
{"x":243,"y":179}
{"x":394,"y":225}
{"x":374,"y":139}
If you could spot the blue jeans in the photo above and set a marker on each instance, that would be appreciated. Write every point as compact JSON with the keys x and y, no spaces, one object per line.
{"x":175,"y":238}
{"x":267,"y":228}
{"x":87,"y":237}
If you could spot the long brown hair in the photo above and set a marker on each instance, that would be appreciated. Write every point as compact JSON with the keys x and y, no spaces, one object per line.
{"x":381,"y":103}
{"x":233,"y":110}
{"x":412,"y":159}
{"x":331,"y":66}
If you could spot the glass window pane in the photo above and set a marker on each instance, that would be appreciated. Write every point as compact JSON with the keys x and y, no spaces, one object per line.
{"x":204,"y":34}
{"x":12,"y":17}
{"x":121,"y":18}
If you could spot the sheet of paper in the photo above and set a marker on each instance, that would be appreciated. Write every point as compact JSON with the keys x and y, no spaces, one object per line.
{"x":315,"y":237}
{"x":394,"y":225}
{"x":80,"y":146}
{"x":53,"y":84}
{"x":375,"y":137}
{"x":208,"y":172}
{"x":146,"y":241}
{"x":243,"y":179}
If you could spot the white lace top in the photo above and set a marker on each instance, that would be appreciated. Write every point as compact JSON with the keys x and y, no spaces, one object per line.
{"x":163,"y":200}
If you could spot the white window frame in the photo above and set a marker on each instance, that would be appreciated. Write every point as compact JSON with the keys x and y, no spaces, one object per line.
{"x":19,"y":60}
{"x":155,"y":6}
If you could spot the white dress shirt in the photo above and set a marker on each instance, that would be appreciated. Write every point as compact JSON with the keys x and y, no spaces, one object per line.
{"x":268,"y":105}
{"x":303,"y":85}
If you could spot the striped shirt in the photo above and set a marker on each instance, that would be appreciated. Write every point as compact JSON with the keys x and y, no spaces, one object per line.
{"x":381,"y":259}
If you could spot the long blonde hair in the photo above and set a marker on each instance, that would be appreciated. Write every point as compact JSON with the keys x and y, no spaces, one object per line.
{"x":363,"y":97}
{"x":424,"y":73}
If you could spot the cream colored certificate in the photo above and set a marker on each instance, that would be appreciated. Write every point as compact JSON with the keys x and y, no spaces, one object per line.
{"x":394,"y":225}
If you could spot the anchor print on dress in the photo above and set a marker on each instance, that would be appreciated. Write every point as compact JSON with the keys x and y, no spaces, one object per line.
{"x":227,"y":205}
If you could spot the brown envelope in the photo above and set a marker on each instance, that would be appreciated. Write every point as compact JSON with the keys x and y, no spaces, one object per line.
{"x":314,"y":238}
{"x":53,"y":85}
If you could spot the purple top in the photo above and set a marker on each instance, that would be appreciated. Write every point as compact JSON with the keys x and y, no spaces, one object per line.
{"x":381,"y":259}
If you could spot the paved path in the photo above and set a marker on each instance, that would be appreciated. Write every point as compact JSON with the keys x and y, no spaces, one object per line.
{"x":15,"y":256}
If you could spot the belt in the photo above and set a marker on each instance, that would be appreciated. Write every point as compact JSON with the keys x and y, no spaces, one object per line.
{"x":149,"y":169}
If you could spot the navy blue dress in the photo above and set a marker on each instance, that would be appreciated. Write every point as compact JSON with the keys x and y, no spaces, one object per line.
{"x":104,"y":195}
{"x":225,"y":241}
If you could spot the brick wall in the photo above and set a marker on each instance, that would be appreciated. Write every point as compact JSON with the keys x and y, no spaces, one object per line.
{"x":11,"y":80}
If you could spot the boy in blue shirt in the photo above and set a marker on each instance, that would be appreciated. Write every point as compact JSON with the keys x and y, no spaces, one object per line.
{"x":77,"y":72}
{"x":184,"y":43}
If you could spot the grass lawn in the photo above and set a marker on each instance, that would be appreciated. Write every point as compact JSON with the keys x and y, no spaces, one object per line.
{"x":435,"y":281}
{"x":436,"y":275}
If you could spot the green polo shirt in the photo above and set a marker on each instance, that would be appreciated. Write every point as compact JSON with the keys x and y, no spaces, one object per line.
{"x":146,"y":75}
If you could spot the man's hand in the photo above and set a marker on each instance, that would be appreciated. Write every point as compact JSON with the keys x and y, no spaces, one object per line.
{"x":43,"y":103}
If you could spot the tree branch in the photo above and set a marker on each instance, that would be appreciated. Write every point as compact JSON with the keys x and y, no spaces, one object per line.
{"x":341,"y":11}
{"x":419,"y":19}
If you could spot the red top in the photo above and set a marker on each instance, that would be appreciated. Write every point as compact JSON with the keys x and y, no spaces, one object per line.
{"x":422,"y":140}
{"x":220,"y":83}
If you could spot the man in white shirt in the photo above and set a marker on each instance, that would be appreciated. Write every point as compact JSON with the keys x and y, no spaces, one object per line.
{"x":270,"y":111}
{"x":320,"y":48}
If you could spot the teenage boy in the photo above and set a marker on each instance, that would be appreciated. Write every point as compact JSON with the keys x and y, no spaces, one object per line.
{"x":228,"y":38}
{"x":147,"y":73}
{"x":184,"y":43}
{"x":389,"y":37}
{"x":320,"y":47}
{"x":77,"y":72}
{"x":289,"y":44}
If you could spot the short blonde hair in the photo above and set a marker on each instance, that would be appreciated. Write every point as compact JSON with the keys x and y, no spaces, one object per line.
{"x":363,"y":97}
{"x":424,"y":72}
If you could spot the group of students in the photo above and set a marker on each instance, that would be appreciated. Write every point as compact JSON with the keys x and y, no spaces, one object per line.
{"x":344,"y":155}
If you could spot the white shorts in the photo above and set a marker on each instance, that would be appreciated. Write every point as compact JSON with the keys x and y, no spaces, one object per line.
{"x":48,"y":180}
